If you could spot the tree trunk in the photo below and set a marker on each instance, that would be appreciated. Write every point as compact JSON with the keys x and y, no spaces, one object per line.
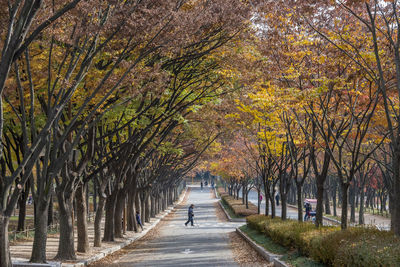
{"x":131,"y":224}
{"x":38,"y":254}
{"x":361,"y":219}
{"x":110,"y":212}
{"x":327,"y":204}
{"x":352,"y":204}
{"x":81,"y":220}
{"x":50,"y":217}
{"x":258,"y":201}
{"x":334,"y":199}
{"x":266,"y":202}
{"x":22,"y":207}
{"x":97,"y":221}
{"x":153,"y":206}
{"x":345,"y":187}
{"x":283,"y":206}
{"x":5,"y":256}
{"x":147,"y":207}
{"x":247,"y":199}
{"x":66,"y":246}
{"x":320,"y":198}
{"x":299,"y":203}
{"x":119,"y":209}
{"x":94,"y":197}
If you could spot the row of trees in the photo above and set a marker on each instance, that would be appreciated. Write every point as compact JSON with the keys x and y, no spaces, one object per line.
{"x":105,"y":93}
{"x":323,"y":102}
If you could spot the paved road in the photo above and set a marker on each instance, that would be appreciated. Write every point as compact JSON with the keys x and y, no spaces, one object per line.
{"x":205,"y":244}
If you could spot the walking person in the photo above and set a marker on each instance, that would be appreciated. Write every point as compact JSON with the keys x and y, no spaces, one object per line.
{"x":308,"y":210}
{"x":138,"y":220}
{"x":190,"y":215}
{"x":277,"y":199}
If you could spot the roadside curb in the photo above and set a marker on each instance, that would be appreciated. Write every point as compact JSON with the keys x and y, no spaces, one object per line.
{"x":103,"y":253}
{"x":274,"y":258}
{"x":229,"y":217}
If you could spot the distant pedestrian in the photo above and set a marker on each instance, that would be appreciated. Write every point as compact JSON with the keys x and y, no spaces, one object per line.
{"x":277,"y":199}
{"x":138,"y":220}
{"x":190,"y":215}
{"x":308,"y":211}
{"x":201,"y":185}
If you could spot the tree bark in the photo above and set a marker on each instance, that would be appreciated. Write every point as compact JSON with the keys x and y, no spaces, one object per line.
{"x":97,"y":221}
{"x":22,"y":207}
{"x":109,"y":220}
{"x":131,"y":224}
{"x":147,"y":207}
{"x":5,"y":256}
{"x":345,"y":187}
{"x":352,"y":204}
{"x":320,"y":199}
{"x":299,"y":204}
{"x":81,"y":212}
{"x":119,"y":209}
{"x":38,"y":254}
{"x":361,"y":219}
{"x":327,"y":204}
{"x":50,"y":217}
{"x":66,"y":246}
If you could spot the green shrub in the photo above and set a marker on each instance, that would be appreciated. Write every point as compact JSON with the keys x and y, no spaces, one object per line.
{"x":288,"y":232}
{"x":371,"y":248}
{"x":238,"y":207}
{"x":356,"y":246}
{"x":257,"y":222}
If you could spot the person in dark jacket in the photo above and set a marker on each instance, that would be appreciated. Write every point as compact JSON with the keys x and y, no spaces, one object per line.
{"x":138,"y":220}
{"x":277,"y":199}
{"x":190,"y":215}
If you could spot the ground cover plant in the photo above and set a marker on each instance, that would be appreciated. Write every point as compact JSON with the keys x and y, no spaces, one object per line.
{"x":355,"y":246}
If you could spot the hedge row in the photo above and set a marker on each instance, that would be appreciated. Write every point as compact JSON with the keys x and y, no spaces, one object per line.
{"x":356,"y":246}
{"x":236,"y":205}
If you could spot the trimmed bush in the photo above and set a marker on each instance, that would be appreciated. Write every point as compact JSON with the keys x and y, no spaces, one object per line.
{"x":238,"y":208}
{"x":356,"y":246}
{"x":370,"y":249}
{"x":257,"y":222}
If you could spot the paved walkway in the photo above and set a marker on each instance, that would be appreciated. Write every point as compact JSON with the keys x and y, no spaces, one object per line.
{"x":205,"y":244}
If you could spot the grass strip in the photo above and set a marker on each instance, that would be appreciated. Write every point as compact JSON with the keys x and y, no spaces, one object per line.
{"x":230,"y":210}
{"x":292,"y":257}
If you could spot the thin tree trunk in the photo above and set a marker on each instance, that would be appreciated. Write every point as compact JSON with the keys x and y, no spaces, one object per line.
{"x":147,"y":207}
{"x":81,"y":213}
{"x":361,"y":219}
{"x":352,"y":204}
{"x":299,"y":203}
{"x":97,"y":221}
{"x":345,"y":187}
{"x":50,"y":217}
{"x":327,"y":204}
{"x":320,"y":199}
{"x":22,"y":207}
